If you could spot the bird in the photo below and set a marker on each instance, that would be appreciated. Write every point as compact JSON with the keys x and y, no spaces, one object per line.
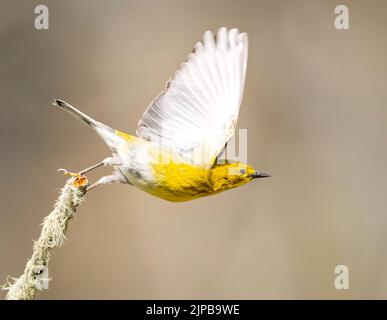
{"x":185,"y":129}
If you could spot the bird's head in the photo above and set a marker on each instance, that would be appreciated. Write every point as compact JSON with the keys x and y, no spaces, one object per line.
{"x":231,"y":175}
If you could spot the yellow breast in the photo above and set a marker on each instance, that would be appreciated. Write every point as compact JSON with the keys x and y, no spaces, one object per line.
{"x":180,"y":181}
{"x":165,"y":173}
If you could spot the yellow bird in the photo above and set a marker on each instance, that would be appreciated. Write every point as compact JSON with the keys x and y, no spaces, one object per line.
{"x":185,"y":129}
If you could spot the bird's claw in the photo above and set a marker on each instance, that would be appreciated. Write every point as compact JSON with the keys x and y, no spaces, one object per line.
{"x":68,"y":173}
{"x":80,"y":180}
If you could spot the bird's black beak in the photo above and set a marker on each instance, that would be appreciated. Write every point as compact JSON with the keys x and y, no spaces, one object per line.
{"x":260,"y":175}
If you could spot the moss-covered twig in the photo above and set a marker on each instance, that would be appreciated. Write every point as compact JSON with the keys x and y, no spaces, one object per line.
{"x":52,"y":236}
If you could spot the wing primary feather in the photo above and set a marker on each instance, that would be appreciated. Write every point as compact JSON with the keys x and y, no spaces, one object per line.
{"x":199,"y":107}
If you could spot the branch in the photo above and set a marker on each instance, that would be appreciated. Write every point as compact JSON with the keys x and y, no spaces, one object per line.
{"x":53,"y":234}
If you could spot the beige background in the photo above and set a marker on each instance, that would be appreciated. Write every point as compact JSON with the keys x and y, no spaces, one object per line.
{"x":315,"y":109}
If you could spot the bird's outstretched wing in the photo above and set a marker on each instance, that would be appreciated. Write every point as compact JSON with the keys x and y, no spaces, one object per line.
{"x":197,"y":113}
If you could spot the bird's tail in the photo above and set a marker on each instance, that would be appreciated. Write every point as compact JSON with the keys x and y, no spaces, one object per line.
{"x":104,"y":131}
{"x":78,"y":114}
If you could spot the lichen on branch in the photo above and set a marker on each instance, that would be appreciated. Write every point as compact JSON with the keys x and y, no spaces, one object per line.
{"x":53,"y":235}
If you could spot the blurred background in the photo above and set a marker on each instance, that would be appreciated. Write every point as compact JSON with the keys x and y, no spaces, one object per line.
{"x":315,"y":109}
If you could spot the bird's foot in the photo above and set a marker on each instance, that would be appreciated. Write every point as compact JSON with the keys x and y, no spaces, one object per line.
{"x":68,"y":173}
{"x":80,"y":180}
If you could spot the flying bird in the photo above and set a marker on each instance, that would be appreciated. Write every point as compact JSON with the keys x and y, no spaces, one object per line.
{"x":184,"y":131}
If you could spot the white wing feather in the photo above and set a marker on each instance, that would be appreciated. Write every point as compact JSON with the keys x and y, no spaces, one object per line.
{"x":197,"y":113}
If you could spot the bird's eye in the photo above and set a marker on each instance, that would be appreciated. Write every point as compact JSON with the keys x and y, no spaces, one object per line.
{"x":242,"y":171}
